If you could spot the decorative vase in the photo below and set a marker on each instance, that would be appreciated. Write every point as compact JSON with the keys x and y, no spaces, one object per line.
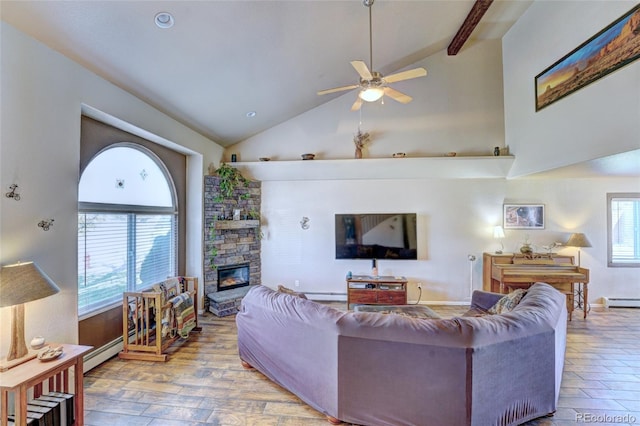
{"x":526,"y":248}
{"x":358,"y":152}
{"x":37,"y":342}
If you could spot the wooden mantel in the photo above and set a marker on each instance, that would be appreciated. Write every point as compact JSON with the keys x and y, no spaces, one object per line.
{"x":237,"y":224}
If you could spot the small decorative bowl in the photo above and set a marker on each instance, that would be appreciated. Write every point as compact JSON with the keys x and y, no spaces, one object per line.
{"x":37,"y":342}
{"x":399,"y":155}
{"x":264,"y":159}
{"x":308,"y":156}
{"x":50,"y":353}
{"x":451,"y":154}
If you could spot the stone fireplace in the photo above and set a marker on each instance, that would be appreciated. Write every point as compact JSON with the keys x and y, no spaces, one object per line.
{"x":231,"y":247}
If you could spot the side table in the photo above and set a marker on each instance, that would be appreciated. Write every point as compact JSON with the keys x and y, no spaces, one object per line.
{"x":54,"y":375}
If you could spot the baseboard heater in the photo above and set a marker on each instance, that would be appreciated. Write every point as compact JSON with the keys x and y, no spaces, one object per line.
{"x":103,"y":353}
{"x":326,"y":296}
{"x":621,"y":302}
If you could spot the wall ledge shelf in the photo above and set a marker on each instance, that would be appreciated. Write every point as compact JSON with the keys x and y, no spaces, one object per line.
{"x":236,"y":224}
{"x":470,"y":167}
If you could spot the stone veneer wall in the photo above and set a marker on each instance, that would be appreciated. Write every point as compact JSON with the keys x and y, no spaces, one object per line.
{"x":233,"y":245}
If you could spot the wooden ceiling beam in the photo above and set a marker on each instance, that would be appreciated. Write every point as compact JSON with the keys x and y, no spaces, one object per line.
{"x":473,"y":18}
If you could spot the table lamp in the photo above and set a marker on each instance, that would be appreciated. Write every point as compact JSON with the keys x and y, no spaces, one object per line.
{"x":578,"y":240}
{"x":498,"y":234}
{"x":21,"y":283}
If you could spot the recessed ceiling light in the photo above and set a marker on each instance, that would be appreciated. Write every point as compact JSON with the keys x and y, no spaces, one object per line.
{"x":251,"y":114}
{"x":164,"y":20}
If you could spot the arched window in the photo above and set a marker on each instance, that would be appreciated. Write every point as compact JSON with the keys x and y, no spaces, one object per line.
{"x":127,"y":225}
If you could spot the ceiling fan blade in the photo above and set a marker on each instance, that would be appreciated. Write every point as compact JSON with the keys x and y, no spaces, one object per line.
{"x":406,"y":75}
{"x":362,"y":69}
{"x":397,"y":96}
{"x":357,"y":104}
{"x":337,"y":89}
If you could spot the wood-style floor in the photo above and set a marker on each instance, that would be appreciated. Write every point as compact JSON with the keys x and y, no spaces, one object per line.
{"x":204,"y":383}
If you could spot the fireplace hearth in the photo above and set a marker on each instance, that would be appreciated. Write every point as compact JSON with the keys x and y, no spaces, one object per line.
{"x":233,"y":276}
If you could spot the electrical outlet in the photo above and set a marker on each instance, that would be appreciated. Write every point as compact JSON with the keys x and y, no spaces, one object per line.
{"x":297,"y":283}
{"x":420,"y":286}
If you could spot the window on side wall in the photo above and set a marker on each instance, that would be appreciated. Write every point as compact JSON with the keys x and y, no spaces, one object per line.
{"x":127,"y":225}
{"x":623,"y":229}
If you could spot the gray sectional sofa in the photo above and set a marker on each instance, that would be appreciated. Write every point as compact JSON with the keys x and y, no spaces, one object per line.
{"x":384,"y":369}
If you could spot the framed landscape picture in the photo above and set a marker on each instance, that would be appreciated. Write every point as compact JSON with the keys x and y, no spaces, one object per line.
{"x":523,"y":216}
{"x":615,"y":46}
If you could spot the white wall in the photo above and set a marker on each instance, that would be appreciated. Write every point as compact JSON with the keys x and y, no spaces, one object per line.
{"x":43,"y":94}
{"x":455,"y":218}
{"x":458,"y":106}
{"x":600,"y":119}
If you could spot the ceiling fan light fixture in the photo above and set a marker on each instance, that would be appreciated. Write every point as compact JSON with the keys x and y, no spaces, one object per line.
{"x":371,"y":94}
{"x":373,"y":85}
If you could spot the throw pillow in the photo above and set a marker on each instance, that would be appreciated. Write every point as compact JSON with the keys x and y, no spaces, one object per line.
{"x":508,"y":302}
{"x":283,"y":289}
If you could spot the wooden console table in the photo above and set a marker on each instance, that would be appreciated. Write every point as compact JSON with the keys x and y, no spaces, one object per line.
{"x":502,"y":273}
{"x":368,"y":290}
{"x":52,"y":375}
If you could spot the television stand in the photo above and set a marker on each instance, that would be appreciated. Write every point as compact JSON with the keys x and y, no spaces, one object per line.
{"x":382,"y":290}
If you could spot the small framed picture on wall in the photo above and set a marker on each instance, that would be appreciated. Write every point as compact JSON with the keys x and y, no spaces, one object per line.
{"x":523,"y":216}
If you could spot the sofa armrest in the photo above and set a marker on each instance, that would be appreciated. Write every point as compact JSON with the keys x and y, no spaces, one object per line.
{"x":483,"y":300}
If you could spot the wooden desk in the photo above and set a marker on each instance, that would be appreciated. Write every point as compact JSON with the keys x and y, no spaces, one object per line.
{"x":52,"y":375}
{"x":505,"y":272}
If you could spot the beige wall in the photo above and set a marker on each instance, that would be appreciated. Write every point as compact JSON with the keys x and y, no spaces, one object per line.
{"x":43,"y":95}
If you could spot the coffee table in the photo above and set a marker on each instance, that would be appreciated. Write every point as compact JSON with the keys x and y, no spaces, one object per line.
{"x":412,"y":311}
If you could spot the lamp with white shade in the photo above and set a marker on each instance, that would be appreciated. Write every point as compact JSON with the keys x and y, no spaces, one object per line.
{"x":578,"y":240}
{"x":21,"y":283}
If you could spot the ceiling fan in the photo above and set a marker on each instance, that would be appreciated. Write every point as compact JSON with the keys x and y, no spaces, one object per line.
{"x":373,"y":85}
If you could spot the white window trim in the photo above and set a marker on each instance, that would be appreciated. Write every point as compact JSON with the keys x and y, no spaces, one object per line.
{"x":611,"y":196}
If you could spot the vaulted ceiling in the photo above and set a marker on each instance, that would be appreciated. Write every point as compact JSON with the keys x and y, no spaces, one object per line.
{"x":224,"y":59}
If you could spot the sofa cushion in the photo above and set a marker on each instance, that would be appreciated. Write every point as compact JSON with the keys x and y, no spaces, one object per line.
{"x":508,"y":302}
{"x":283,"y":289}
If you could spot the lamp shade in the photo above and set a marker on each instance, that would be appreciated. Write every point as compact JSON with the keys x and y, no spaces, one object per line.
{"x":498,"y":232}
{"x":578,"y":240}
{"x":24,"y":282}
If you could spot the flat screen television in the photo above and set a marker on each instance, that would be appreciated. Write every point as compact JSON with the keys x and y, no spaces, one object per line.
{"x":376,"y":236}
